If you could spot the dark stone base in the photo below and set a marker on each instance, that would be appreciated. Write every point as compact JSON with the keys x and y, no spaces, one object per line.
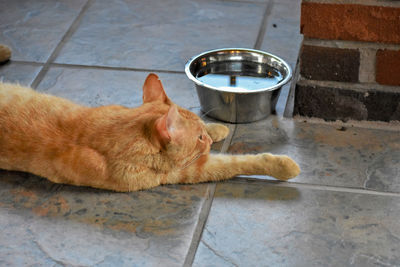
{"x":329,"y":64}
{"x":343,"y":104}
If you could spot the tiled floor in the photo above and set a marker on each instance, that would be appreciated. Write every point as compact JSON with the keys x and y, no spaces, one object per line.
{"x":343,"y":210}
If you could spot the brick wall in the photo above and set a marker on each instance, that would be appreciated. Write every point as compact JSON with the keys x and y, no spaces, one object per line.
{"x":349,"y":63}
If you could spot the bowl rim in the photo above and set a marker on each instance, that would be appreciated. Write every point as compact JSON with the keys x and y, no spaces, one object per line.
{"x":274,"y":87}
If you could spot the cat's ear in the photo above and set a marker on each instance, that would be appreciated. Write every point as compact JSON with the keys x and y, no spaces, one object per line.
{"x":153,"y":90}
{"x":170,"y":126}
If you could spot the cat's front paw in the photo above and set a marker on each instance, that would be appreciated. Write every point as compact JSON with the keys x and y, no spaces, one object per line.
{"x":217,"y":131}
{"x":281,"y":167}
{"x":5,"y":53}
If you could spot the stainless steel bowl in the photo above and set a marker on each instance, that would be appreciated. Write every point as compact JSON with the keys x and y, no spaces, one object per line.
{"x":238,"y":85}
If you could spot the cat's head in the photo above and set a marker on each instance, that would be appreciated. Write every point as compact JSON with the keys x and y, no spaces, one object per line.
{"x":179,"y":132}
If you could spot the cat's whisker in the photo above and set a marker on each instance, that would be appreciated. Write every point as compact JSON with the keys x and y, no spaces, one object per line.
{"x":191,"y":161}
{"x":205,"y":114}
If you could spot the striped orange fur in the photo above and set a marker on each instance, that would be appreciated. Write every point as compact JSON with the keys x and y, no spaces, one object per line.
{"x":118,"y":148}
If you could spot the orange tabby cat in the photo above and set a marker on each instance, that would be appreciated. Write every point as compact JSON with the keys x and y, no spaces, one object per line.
{"x":118,"y":148}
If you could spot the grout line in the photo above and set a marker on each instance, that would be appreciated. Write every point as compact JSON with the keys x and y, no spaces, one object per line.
{"x":60,"y":45}
{"x":263,"y":26}
{"x":347,"y":44}
{"x":113,"y":68}
{"x":229,"y":138}
{"x":289,"y":108}
{"x":99,"y":67}
{"x":384,"y":3}
{"x":367,"y":68}
{"x":247,"y":180}
{"x":201,"y":223}
{"x":357,"y":87}
{"x":33,"y":63}
{"x":206,"y":207}
{"x":370,"y":125}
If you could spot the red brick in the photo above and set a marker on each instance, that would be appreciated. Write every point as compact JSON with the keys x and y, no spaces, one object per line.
{"x":350,"y":22}
{"x":388,"y":67}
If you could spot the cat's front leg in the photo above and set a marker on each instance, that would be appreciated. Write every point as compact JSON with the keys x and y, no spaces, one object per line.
{"x":72,"y":164}
{"x":217,"y":131}
{"x":220,"y":167}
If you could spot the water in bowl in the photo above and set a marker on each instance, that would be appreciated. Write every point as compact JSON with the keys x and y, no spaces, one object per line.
{"x":234,"y":81}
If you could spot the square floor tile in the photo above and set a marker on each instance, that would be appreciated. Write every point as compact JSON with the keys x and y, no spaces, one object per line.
{"x":261,"y":225}
{"x":159,"y":34}
{"x":34,"y":28}
{"x":327,"y":154}
{"x":44,"y":224}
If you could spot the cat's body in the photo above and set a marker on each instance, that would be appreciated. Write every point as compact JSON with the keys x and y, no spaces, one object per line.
{"x":118,"y":148}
